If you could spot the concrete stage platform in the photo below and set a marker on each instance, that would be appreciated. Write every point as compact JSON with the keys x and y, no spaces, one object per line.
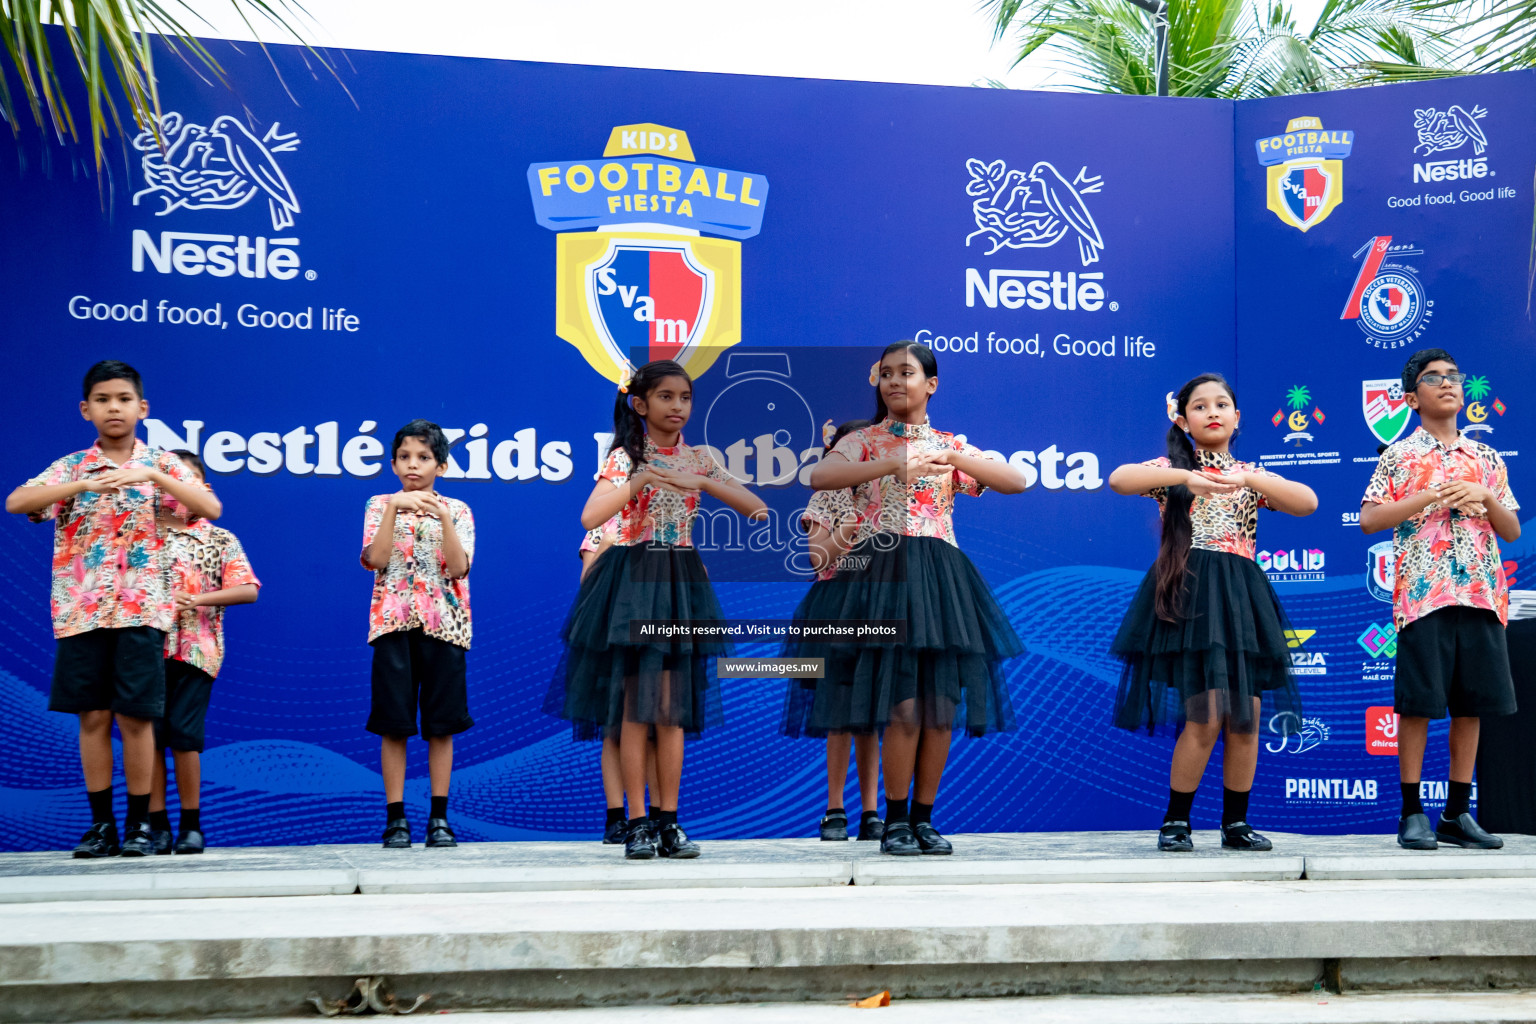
{"x":552,"y":926}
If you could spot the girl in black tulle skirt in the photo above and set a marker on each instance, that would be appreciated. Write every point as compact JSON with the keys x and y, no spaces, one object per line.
{"x":609,"y":679}
{"x":946,"y":672}
{"x":1204,"y":641}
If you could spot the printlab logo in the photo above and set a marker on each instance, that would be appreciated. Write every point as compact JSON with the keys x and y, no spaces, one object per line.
{"x":1304,"y":662}
{"x":1379,"y":641}
{"x":1305,"y":180}
{"x":1379,"y":571}
{"x":1293,"y":735}
{"x":1032,"y":209}
{"x":1381,"y":731}
{"x":1386,"y":410}
{"x":1387,"y":300}
{"x":219,"y":167}
{"x":1477,"y":389}
{"x":1444,"y":131}
{"x":1298,"y":398}
{"x":646,"y":279}
{"x":1305,"y":566}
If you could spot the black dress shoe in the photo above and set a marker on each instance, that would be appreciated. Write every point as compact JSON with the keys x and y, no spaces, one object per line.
{"x":1466,"y":833}
{"x":1414,"y":833}
{"x":137,"y":841}
{"x":834,"y":828}
{"x":160,"y":839}
{"x":1174,"y":837}
{"x":439,"y":833}
{"x":100,"y":840}
{"x":397,"y":834}
{"x":1240,"y":836}
{"x":640,"y":844}
{"x":929,"y":840}
{"x":871,"y":829}
{"x":615,"y":833}
{"x":898,"y":840}
{"x":190,"y":841}
{"x":675,"y":843}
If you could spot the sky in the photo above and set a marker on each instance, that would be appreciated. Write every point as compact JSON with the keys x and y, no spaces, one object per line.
{"x":928,"y":42}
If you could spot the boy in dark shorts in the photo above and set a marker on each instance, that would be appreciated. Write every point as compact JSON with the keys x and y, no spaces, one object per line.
{"x":109,"y":600}
{"x":1448,"y":499}
{"x":419,"y":545}
{"x":208,"y":571}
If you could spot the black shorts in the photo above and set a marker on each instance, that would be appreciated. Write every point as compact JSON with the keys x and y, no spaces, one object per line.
{"x":414,"y":671}
{"x":118,"y":670}
{"x":1453,"y":659}
{"x":187,"y":689}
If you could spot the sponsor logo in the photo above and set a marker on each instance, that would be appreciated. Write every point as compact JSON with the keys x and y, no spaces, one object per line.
{"x":1349,"y":519}
{"x":1381,"y":731}
{"x":1386,"y":410}
{"x":1299,"y":421}
{"x":1292,"y":566}
{"x":1379,"y":570}
{"x":1443,"y":131}
{"x":1477,"y":390}
{"x":647,"y":283}
{"x":1305,"y":171}
{"x":1331,"y":790}
{"x":1379,"y":641}
{"x":1303,"y":662}
{"x":1294,"y":735}
{"x":1387,"y":300}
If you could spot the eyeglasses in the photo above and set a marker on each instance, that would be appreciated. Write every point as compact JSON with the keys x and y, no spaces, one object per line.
{"x":1434,"y":379}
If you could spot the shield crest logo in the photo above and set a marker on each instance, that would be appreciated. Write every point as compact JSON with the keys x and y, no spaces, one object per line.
{"x":1380,"y":571}
{"x":1304,"y":193}
{"x":1386,"y":410}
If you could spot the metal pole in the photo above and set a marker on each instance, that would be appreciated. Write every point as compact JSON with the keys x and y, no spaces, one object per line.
{"x":1159,"y":11}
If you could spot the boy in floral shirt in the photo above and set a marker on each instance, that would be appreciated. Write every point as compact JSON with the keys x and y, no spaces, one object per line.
{"x":419,"y":545}
{"x":1447,"y":499}
{"x":208,"y":571}
{"x":110,"y":604}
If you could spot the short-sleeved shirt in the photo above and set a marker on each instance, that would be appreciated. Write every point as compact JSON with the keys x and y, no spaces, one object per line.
{"x":107,"y":572}
{"x":832,"y":509}
{"x":201,"y":558}
{"x":659,"y":514}
{"x":414,"y":591}
{"x":593,"y":539}
{"x":923,"y":506}
{"x":1440,"y":556}
{"x":1219,"y":522}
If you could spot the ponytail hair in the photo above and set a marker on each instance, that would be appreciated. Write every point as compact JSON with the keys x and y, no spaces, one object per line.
{"x":920,"y":352}
{"x":1173,"y":552}
{"x":628,"y":425}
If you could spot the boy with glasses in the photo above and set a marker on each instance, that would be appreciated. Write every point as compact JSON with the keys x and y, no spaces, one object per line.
{"x":1448,"y":501}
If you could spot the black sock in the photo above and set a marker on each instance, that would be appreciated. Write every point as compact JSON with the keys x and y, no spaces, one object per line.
{"x":101,"y":806}
{"x":654,"y":813}
{"x":439,"y":807}
{"x":160,"y":821}
{"x":1411,"y":803}
{"x":1458,"y":800}
{"x":1179,"y":805}
{"x":867,"y":815}
{"x":138,"y":808}
{"x":665,"y":818}
{"x":191,"y":819}
{"x":835,"y":810}
{"x":921,"y":813}
{"x":615,"y":815}
{"x":895,"y":810}
{"x":394,"y":810}
{"x":1234,"y":806}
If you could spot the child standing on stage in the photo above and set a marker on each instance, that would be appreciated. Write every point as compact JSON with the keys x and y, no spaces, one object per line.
{"x":109,"y":603}
{"x":946,"y":673}
{"x":208,"y":571}
{"x":833,"y":521}
{"x":1204,"y":638}
{"x":420,"y":545}
{"x":1448,"y":499}
{"x":609,"y":680}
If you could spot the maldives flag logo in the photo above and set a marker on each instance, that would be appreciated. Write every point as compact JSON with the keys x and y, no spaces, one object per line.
{"x":1386,"y":410}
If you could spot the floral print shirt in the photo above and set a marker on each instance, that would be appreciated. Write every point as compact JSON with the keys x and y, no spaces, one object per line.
{"x":831,"y":509}
{"x":593,"y":539}
{"x":107,"y":572}
{"x":923,"y":506}
{"x":199,"y":559}
{"x":1219,"y":522}
{"x":414,"y":591}
{"x":658,"y":514}
{"x":1440,"y":556}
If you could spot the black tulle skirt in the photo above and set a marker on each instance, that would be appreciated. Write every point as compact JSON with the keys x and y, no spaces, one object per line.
{"x":948,"y":672}
{"x":605,"y":678}
{"x":1225,"y":659}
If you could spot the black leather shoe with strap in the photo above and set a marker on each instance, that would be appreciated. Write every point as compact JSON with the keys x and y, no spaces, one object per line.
{"x":641,"y":842}
{"x":440,"y":833}
{"x":100,"y":840}
{"x":190,"y":841}
{"x":929,"y":841}
{"x":834,"y":827}
{"x":1240,"y":836}
{"x":1175,"y":837}
{"x":674,"y":843}
{"x":137,"y":841}
{"x":899,"y":841}
{"x":397,"y":834}
{"x":616,"y":832}
{"x":871,"y":829}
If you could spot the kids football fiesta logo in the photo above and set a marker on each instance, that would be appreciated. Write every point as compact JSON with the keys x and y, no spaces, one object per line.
{"x":645,"y":277}
{"x":1306,"y":171}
